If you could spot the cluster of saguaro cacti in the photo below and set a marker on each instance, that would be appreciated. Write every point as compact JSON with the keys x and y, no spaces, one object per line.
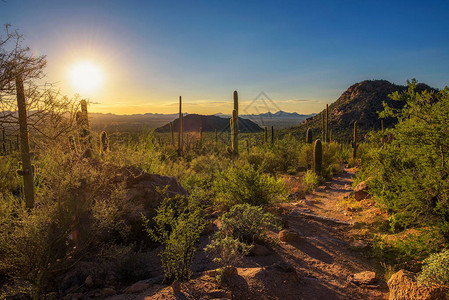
{"x":354,"y":142}
{"x":181,"y":126}
{"x":27,"y":169}
{"x":234,"y":123}
{"x":309,"y":137}
{"x":104,"y":142}
{"x":317,"y":157}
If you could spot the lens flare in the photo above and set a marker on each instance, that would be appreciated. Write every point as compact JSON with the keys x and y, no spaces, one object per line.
{"x":86,"y":77}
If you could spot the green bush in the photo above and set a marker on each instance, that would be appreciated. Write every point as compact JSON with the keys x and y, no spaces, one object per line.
{"x":177,"y":227}
{"x":245,"y":184}
{"x":227,"y":250}
{"x":435,"y":269}
{"x":247,"y":223}
{"x":310,"y":181}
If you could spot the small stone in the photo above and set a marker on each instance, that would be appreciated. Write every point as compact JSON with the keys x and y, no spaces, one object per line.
{"x":365,"y":278}
{"x":89,"y":282}
{"x":289,"y":236}
{"x":361,"y":191}
{"x":106,"y":292}
{"x":358,"y":245}
{"x":137,"y":287}
{"x":259,"y":250}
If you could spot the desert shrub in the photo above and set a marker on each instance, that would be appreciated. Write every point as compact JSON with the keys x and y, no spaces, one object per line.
{"x":245,"y":184}
{"x":241,"y":226}
{"x":310,"y":181}
{"x":247,"y":223}
{"x":177,"y":227}
{"x":435,"y":269}
{"x":227,"y":250}
{"x":8,"y":177}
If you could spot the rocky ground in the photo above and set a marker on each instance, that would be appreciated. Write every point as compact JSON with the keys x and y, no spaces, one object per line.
{"x":317,"y":257}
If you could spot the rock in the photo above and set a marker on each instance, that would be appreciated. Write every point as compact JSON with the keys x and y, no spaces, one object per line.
{"x":361,"y":191}
{"x":89,"y":282}
{"x":358,"y":245}
{"x":137,"y":287}
{"x":403,"y":286}
{"x":260,"y":250}
{"x":362,"y":278}
{"x":289,"y":236}
{"x":106,"y":292}
{"x":220,"y":294}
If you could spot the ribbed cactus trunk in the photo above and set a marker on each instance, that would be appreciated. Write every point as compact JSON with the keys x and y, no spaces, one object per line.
{"x":322,"y":125}
{"x":317,"y":157}
{"x":234,"y":122}
{"x":354,"y":142}
{"x":104,"y":142}
{"x":309,"y":136}
{"x":172,"y":132}
{"x":272,"y":135}
{"x":27,"y":169}
{"x":3,"y":141}
{"x":326,"y":137}
{"x":248,"y":145}
{"x":82,"y":120}
{"x":180,"y":126}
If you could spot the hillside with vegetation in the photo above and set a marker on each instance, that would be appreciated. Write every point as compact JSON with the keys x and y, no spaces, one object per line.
{"x":360,"y":103}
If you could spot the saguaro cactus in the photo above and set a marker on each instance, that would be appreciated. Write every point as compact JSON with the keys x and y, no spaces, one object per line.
{"x":322,"y":125}
{"x":326,"y":137}
{"x":234,"y":123}
{"x":4,"y":141}
{"x":27,"y":169}
{"x":104,"y":142}
{"x":272,"y":135}
{"x":172,"y":134}
{"x":82,"y":120}
{"x":317,"y":157}
{"x":181,"y":125}
{"x":309,"y":137}
{"x":354,"y":142}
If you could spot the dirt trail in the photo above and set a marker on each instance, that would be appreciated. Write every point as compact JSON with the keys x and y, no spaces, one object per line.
{"x":316,"y":267}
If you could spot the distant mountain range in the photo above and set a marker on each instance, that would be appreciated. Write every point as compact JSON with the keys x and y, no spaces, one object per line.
{"x":361,"y":102}
{"x":112,"y":122}
{"x":194,"y":122}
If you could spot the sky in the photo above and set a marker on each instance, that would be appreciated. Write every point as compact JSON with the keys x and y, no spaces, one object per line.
{"x":301,"y":54}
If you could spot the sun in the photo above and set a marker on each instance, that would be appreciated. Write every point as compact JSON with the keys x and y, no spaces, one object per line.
{"x":86,"y":77}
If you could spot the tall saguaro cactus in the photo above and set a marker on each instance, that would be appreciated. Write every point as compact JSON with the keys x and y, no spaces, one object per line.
{"x":309,"y":137}
{"x":82,"y":120}
{"x":265,"y":138}
{"x":326,"y":137}
{"x":27,"y":169}
{"x":181,"y":126}
{"x":234,"y":122}
{"x":104,"y":142}
{"x":354,"y":142}
{"x":322,"y":125}
{"x":172,"y":134}
{"x":272,"y":135}
{"x":317,"y":157}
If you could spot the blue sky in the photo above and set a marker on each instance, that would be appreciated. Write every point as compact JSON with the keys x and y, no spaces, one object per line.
{"x":153,"y":51}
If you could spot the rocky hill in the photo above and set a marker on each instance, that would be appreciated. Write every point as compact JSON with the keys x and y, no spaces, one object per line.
{"x":194,"y":122}
{"x":361,"y":102}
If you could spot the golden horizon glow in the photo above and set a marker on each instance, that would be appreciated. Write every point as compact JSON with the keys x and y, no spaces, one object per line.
{"x":86,"y":77}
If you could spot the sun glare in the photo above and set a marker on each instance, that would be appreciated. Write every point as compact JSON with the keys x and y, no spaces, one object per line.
{"x":86,"y":77}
